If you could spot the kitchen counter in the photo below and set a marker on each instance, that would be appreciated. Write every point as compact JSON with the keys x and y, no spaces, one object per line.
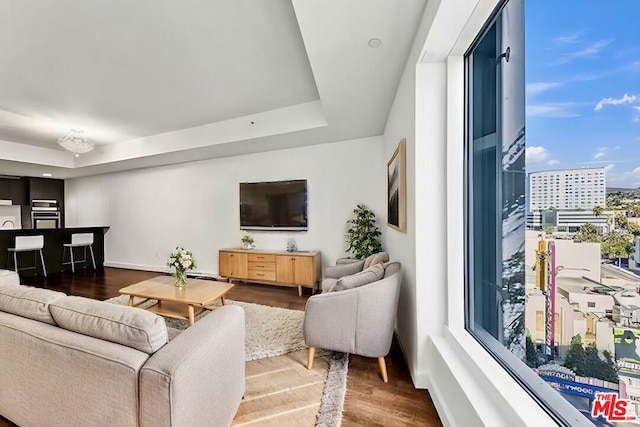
{"x":54,"y":238}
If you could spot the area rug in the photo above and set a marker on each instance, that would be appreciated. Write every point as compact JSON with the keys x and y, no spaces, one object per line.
{"x":273,"y":331}
{"x":270,"y":331}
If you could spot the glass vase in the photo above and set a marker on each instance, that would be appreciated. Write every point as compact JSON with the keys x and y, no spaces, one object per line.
{"x":181,"y":278}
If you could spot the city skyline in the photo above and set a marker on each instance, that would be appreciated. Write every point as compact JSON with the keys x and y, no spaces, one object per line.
{"x":582,"y":88}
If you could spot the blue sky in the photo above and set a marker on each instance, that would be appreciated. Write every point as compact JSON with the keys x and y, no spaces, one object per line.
{"x":583,"y":87}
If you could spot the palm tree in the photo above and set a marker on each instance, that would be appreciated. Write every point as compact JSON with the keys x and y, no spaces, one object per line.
{"x":597,"y":210}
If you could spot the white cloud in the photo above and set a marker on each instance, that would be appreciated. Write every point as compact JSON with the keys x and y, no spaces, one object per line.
{"x":617,"y":147}
{"x":626,"y":99}
{"x":569,"y":39}
{"x":553,"y":162}
{"x":598,"y":155}
{"x":561,"y":110}
{"x":637,"y":108}
{"x":588,"y":77}
{"x":636,"y":119}
{"x":536,"y":154}
{"x":539,"y":87}
{"x":636,"y":172}
{"x":584,"y":53}
{"x":609,"y":167}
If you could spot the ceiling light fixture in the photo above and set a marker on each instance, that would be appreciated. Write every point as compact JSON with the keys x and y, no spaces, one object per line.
{"x":375,"y":42}
{"x":76,"y":142}
{"x":46,"y":174}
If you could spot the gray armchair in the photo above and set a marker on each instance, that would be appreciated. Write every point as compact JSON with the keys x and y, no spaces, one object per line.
{"x":357,"y":321}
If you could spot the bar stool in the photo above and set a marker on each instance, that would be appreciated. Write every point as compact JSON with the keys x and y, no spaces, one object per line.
{"x":79,"y":240}
{"x":28,"y":244}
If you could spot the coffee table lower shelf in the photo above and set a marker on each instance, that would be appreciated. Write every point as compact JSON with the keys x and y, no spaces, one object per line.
{"x":176,"y":310}
{"x":184,"y":303}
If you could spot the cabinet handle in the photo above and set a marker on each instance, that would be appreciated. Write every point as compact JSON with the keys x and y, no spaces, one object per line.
{"x":260,"y":257}
{"x":261,"y":266}
{"x":231,"y":255}
{"x":293,"y":259}
{"x":259,"y":274}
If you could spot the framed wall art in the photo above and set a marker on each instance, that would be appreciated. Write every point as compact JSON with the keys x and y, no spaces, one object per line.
{"x":397,"y":188}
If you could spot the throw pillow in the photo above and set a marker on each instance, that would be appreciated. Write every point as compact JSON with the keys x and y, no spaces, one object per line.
{"x":120,"y":324}
{"x":370,"y":275}
{"x":375,"y":259}
{"x":341,"y":270}
{"x":25,"y":301}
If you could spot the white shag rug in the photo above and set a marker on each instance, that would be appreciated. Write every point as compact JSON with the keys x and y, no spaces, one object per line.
{"x":335,"y":387}
{"x":270,"y":331}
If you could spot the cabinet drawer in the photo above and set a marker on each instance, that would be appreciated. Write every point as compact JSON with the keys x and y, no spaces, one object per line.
{"x":261,"y":258}
{"x":262,"y":275}
{"x":262,"y":266}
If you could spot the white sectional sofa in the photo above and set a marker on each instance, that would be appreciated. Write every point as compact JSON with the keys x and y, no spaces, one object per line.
{"x":74,"y":361}
{"x":9,"y":277}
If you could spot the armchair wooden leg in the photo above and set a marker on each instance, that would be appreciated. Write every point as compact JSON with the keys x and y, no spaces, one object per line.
{"x":299,"y":290}
{"x":383,"y":369}
{"x":312,"y":352}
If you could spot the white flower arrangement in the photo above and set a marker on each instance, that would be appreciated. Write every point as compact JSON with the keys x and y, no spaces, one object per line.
{"x":181,"y":259}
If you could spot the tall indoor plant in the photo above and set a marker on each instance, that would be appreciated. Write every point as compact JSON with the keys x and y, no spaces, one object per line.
{"x":363,"y":238}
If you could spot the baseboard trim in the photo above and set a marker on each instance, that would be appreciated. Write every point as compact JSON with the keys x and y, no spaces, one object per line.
{"x":420,"y":379}
{"x":161,"y":269}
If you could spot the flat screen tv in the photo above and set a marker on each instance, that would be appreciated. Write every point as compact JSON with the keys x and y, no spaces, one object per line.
{"x":276,"y":205}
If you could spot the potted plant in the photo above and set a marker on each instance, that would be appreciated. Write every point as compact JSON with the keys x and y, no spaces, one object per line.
{"x":363,"y":238}
{"x":247,"y":242}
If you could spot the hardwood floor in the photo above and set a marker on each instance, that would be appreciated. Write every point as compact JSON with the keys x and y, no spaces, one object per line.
{"x":368,"y":401}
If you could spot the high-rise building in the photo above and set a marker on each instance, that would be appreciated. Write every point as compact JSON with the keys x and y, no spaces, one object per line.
{"x":567,"y":189}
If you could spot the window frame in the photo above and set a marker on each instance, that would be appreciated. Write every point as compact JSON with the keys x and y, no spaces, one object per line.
{"x":559,"y":409}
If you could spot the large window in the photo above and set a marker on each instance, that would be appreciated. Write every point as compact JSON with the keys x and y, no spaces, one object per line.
{"x":545,"y":302}
{"x":495,"y":201}
{"x":496,"y":183}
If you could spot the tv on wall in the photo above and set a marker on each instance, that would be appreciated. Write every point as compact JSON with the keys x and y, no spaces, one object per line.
{"x":275,"y":205}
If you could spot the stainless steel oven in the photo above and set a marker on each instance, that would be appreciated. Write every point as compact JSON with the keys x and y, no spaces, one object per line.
{"x":45,"y":214}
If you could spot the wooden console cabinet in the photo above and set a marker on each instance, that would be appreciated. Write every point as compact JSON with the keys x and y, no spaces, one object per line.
{"x":280,"y":267}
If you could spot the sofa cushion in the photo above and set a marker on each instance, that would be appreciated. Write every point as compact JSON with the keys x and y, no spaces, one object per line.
{"x":370,"y":275}
{"x":9,"y":277}
{"x":375,"y":259}
{"x":129,"y":326}
{"x":25,"y":301}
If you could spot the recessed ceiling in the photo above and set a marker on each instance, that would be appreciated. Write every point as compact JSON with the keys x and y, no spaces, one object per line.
{"x":151,"y":78}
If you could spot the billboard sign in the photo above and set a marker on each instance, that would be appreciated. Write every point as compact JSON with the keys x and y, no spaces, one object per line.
{"x":627,"y":349}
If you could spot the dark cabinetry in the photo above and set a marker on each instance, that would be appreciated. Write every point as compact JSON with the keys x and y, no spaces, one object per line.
{"x":46,"y":189}
{"x":15,"y":189}
{"x":21,"y":191}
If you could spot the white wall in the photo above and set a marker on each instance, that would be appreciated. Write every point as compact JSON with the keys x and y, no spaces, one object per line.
{"x":401,"y":246}
{"x":196,"y":205}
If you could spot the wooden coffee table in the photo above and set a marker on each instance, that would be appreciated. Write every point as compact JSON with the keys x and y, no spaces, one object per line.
{"x":179,"y":303}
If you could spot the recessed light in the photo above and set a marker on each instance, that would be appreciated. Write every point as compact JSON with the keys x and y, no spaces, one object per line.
{"x":375,"y":42}
{"x":77,"y":155}
{"x":46,"y":174}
